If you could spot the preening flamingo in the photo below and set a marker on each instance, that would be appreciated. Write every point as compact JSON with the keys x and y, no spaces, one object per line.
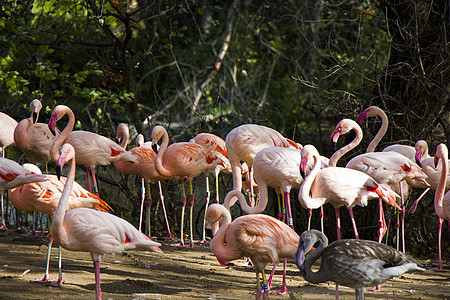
{"x":217,"y":146}
{"x":245,"y":141}
{"x":182,"y":160}
{"x":340,"y":187}
{"x":13,"y":175}
{"x":91,"y":149}
{"x":44,"y":197}
{"x":106,"y":234}
{"x":6,"y":139}
{"x":441,"y":201}
{"x":352,"y":263}
{"x":145,"y":168}
{"x":260,"y":237}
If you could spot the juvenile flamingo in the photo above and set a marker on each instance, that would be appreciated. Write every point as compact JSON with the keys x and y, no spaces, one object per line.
{"x":260,"y":237}
{"x":441,"y":201}
{"x":352,"y":263}
{"x":182,"y":160}
{"x":106,"y":234}
{"x":6,"y":139}
{"x":145,"y":168}
{"x":44,"y":197}
{"x":340,"y":187}
{"x":91,"y":149}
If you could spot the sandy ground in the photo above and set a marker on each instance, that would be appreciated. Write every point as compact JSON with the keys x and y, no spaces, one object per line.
{"x":179,"y":274}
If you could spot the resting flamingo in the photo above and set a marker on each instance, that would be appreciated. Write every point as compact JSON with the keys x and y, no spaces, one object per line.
{"x":106,"y":234}
{"x":340,"y":187}
{"x":92,"y":149}
{"x":441,"y":201}
{"x":182,"y":160}
{"x":44,"y":197}
{"x":217,"y":146}
{"x":245,"y":141}
{"x":145,"y":168}
{"x":352,"y":263}
{"x":6,"y":139}
{"x":260,"y":237}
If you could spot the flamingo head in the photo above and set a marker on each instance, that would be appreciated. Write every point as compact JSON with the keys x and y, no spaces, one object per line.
{"x":157,"y":133}
{"x":57,"y":114}
{"x":421,"y":151}
{"x":368,"y":112}
{"x":67,"y":152}
{"x":123,"y":132}
{"x":139,"y":140}
{"x":35,"y":107}
{"x":308,"y":152}
{"x":441,"y":153}
{"x":305,"y":245}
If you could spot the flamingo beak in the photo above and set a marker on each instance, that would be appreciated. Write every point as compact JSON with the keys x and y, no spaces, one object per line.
{"x":60,"y":164}
{"x":300,"y":258}
{"x":35,"y":117}
{"x":362,"y":116}
{"x":335,"y":134}
{"x":419,"y":157}
{"x":52,"y":122}
{"x":436,"y":161}
{"x":155,"y":148}
{"x":303,"y":164}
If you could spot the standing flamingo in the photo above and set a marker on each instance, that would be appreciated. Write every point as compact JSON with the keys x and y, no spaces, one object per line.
{"x":91,"y":149}
{"x":352,"y":263}
{"x":441,"y":201}
{"x":145,"y":168}
{"x":6,"y":139}
{"x":260,"y":237}
{"x":217,"y":146}
{"x":340,"y":187}
{"x":106,"y":234}
{"x":245,"y":141}
{"x":44,"y":197}
{"x":182,"y":160}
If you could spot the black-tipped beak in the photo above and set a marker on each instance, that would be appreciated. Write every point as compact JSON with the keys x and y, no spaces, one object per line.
{"x":302,"y":173}
{"x":300,"y":259}
{"x":58,"y":171}
{"x":35,"y":117}
{"x":155,"y":148}
{"x":436,"y":161}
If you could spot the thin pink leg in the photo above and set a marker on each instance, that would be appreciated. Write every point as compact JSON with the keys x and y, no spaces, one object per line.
{"x":161,"y":196}
{"x":338,"y":222}
{"x":46,"y":276}
{"x":60,"y":278}
{"x":33,"y":230}
{"x":252,"y":199}
{"x":269,"y":282}
{"x":183,"y":208}
{"x":283,"y":289}
{"x":287,"y":199}
{"x":381,"y":221}
{"x":88,"y":174}
{"x":353,"y":223}
{"x":3,"y":227}
{"x":403,"y":218}
{"x":439,"y":246}
{"x":208,"y":195}
{"x":98,"y":290}
{"x":95,"y":181}
{"x":142,"y":203}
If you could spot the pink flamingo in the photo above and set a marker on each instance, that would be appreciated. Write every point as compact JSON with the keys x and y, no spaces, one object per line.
{"x":260,"y":237}
{"x":13,"y":175}
{"x":145,"y":168}
{"x":441,"y":201}
{"x":34,"y":139}
{"x":340,"y":187}
{"x":217,"y":146}
{"x":106,"y":234}
{"x":6,"y":139}
{"x":245,"y":141}
{"x":92,"y":149}
{"x":182,"y":160}
{"x":44,"y":197}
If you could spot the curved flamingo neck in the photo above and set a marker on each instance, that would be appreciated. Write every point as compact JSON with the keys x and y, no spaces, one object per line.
{"x":339,"y":153}
{"x":223,"y":252}
{"x":320,"y":275}
{"x":159,"y":156}
{"x":58,"y":230}
{"x":230,"y":200}
{"x":57,"y":143}
{"x":440,"y":189}
{"x":381,"y":132}
{"x":305,"y":190}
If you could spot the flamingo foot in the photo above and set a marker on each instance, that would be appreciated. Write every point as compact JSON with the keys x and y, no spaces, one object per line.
{"x":33,"y":234}
{"x":281,"y":291}
{"x":437,"y":268}
{"x":3,"y":227}
{"x":180,"y":244}
{"x":57,"y":283}
{"x":257,"y":294}
{"x":191,"y":245}
{"x":170,"y":237}
{"x":374,"y":288}
{"x":225,"y":263}
{"x":203,"y":242}
{"x":43,"y":280}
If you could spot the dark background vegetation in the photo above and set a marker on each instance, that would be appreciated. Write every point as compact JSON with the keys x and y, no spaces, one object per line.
{"x":209,"y":66}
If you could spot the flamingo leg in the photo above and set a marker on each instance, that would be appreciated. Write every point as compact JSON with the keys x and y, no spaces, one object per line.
{"x":49,"y":250}
{"x":350,"y":210}
{"x":3,"y":227}
{"x":60,"y":279}
{"x":283,"y":208}
{"x":265,"y":287}
{"x":258,"y":286}
{"x":88,"y":174}
{"x":203,"y":241}
{"x":403,"y":217}
{"x":169,"y":235}
{"x":98,"y":290}
{"x":142,"y":203}
{"x":439,"y":267}
{"x":183,"y":208}
{"x":191,"y":212}
{"x":94,"y":180}
{"x":414,"y":206}
{"x":321,"y":218}
{"x":269,"y":282}
{"x":381,"y":221}
{"x":338,"y":222}
{"x":309,"y":219}
{"x":287,"y":200}
{"x":148,"y":205}
{"x":252,"y":199}
{"x":283,"y":289}
{"x":279,"y":206}
{"x":217,"y":187}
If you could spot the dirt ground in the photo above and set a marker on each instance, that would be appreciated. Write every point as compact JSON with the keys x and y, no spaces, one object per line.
{"x":178,"y":274}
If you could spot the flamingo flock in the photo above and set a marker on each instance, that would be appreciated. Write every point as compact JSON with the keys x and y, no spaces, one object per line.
{"x":83,"y":222}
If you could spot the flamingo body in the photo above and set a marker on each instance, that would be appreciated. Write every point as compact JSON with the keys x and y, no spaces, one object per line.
{"x":6,"y":130}
{"x":13,"y":175}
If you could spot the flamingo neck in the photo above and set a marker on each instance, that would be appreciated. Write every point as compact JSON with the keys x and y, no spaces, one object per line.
{"x":320,"y":275}
{"x":57,"y":143}
{"x":440,"y":189}
{"x":381,"y":132}
{"x":305,"y":190}
{"x":230,"y":199}
{"x":339,"y":153}
{"x":58,"y":230}
{"x":221,"y":251}
{"x":159,"y":165}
